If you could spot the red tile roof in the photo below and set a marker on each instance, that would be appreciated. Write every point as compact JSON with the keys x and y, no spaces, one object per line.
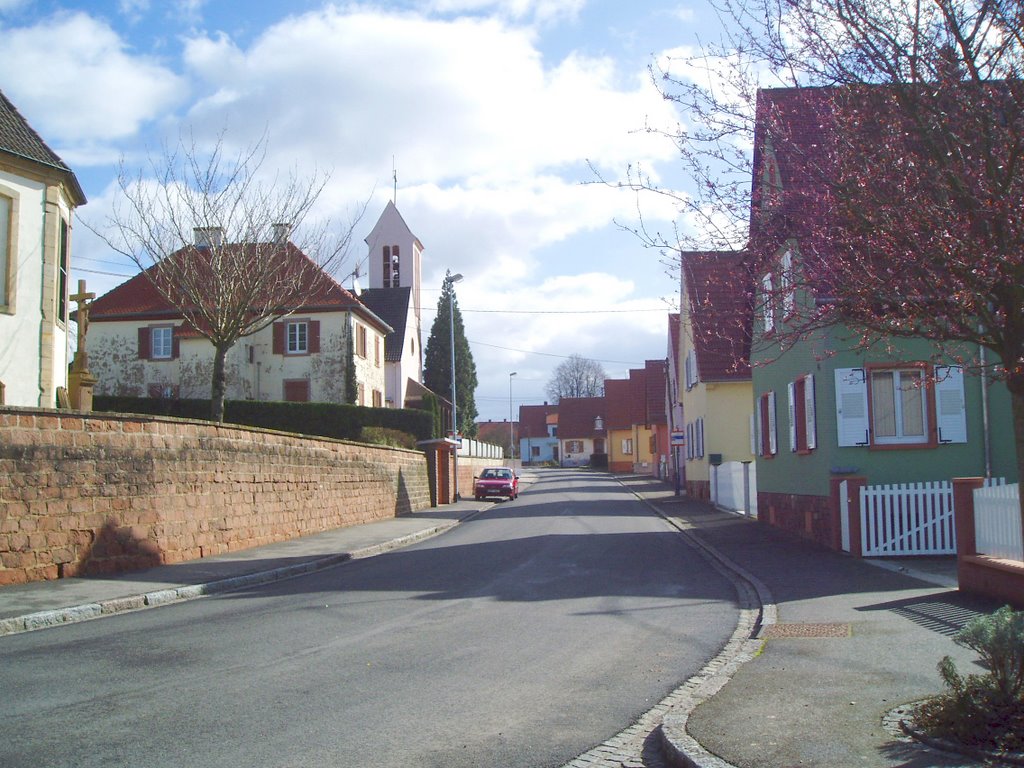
{"x":577,"y":415}
{"x":139,"y":299}
{"x":619,"y":398}
{"x":657,"y":386}
{"x":720,"y":298}
{"x":533,"y":420}
{"x":495,"y":432}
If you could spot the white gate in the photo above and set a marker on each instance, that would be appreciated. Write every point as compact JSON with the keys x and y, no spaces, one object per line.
{"x":844,"y":514}
{"x":907,"y":519}
{"x":997,"y":524}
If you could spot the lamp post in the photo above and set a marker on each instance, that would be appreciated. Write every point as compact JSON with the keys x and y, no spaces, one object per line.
{"x":511,"y":424}
{"x":450,"y":280}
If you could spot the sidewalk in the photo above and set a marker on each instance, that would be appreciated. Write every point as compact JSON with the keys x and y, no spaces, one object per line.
{"x":842,"y":643}
{"x":41,"y":604}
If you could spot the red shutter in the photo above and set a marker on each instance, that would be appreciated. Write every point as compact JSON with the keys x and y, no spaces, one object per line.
{"x":314,"y":337}
{"x":278,"y":338}
{"x":143,"y":343}
{"x":175,"y":343}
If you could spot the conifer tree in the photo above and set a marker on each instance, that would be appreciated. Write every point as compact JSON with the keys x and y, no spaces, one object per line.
{"x":437,"y":363}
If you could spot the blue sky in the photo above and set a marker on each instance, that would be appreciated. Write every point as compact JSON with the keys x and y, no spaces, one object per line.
{"x":489,"y":109}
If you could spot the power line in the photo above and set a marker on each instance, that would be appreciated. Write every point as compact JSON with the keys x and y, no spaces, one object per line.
{"x":550,"y":354}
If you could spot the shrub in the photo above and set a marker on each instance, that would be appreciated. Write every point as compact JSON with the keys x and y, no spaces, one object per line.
{"x":987,"y":710}
{"x":392,"y":438}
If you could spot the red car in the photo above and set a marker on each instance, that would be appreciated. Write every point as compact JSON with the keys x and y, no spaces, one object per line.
{"x":496,"y":481}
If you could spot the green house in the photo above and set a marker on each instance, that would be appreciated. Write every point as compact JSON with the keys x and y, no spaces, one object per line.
{"x":831,"y":404}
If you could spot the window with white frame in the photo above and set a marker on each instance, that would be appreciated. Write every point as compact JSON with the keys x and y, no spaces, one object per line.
{"x":161,"y":343}
{"x":802,"y":415}
{"x":900,"y":405}
{"x":297,"y":338}
{"x":627,"y":446}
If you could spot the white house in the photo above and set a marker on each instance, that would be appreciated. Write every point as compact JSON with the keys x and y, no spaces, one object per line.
{"x":140,"y":345}
{"x":394,"y":295}
{"x":38,"y":193}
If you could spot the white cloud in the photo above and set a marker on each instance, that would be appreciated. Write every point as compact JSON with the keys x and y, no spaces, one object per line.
{"x":79,"y":83}
{"x":540,"y":10}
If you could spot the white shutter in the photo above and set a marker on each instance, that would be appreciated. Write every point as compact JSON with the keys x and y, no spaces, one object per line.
{"x":851,"y":406}
{"x":753,"y":429}
{"x":700,"y":438}
{"x":950,"y":412}
{"x":791,"y":390}
{"x":767,"y":302}
{"x":773,"y":437}
{"x":810,"y":416}
{"x":788,"y":298}
{"x":686,"y":370}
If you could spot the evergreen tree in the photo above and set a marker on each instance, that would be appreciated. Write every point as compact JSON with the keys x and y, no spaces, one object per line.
{"x":438,"y":361}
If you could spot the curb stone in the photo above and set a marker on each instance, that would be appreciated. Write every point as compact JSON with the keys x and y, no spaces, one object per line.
{"x":85,"y":612}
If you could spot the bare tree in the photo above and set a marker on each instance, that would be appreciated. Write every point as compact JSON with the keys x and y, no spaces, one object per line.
{"x":226,"y":243}
{"x":576,"y":377}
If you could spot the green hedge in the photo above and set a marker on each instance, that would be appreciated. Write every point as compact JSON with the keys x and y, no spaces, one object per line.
{"x":344,"y":422}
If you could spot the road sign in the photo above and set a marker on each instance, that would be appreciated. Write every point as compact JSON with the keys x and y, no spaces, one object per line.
{"x":678,"y":439}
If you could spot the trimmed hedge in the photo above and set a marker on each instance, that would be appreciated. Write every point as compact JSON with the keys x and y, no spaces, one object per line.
{"x":345,"y":422}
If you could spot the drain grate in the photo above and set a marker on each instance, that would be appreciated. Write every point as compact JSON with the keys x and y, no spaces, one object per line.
{"x":773,"y":631}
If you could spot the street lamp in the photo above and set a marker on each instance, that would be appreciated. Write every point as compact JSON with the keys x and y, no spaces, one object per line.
{"x":511,"y":423}
{"x":450,"y":280}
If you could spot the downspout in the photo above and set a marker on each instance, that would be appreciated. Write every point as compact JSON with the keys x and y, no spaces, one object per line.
{"x":985,"y":426}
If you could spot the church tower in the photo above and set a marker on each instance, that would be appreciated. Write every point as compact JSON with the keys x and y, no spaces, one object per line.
{"x":395,"y":255}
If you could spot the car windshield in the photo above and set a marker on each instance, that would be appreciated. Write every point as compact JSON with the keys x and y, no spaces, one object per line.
{"x":496,"y":474}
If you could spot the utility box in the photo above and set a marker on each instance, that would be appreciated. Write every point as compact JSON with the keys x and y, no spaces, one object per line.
{"x":715,"y":459}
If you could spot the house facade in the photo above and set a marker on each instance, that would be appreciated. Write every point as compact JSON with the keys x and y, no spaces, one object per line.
{"x":581,"y":431}
{"x":38,"y":195}
{"x":394,"y":295}
{"x":827,"y":408}
{"x":538,"y":434}
{"x":714,"y":360}
{"x":140,"y":345}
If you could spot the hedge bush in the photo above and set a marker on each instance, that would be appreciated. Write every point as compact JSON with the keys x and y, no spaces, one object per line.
{"x":345,"y":422}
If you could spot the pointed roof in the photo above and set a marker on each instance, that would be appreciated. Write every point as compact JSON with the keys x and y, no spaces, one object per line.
{"x":18,"y":138}
{"x":719,"y":295}
{"x":392,"y":306}
{"x":618,"y":396}
{"x":391,"y":214}
{"x":656,"y":374}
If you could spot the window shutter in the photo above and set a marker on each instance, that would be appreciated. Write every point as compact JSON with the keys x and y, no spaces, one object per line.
{"x":951,"y":415}
{"x":278,"y":347}
{"x":314,"y":337}
{"x":791,"y":391}
{"x":753,"y":431}
{"x":694,"y":376}
{"x":175,"y":342}
{"x":144,"y":339}
{"x":766,"y":304}
{"x":773,"y":437}
{"x":759,"y":427}
{"x":851,"y":406}
{"x":700,"y":437}
{"x":686,"y":370}
{"x":786,"y":279}
{"x":810,"y":416}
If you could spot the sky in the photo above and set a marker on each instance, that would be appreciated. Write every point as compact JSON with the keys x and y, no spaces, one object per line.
{"x":491,"y":114}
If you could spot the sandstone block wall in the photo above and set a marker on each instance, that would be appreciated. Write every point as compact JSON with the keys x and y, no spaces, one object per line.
{"x":100,"y":493}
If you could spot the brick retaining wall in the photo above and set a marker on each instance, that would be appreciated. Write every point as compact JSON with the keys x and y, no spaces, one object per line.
{"x":100,"y":493}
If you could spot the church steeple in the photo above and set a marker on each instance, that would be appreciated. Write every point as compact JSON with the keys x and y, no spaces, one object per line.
{"x":395,"y":254}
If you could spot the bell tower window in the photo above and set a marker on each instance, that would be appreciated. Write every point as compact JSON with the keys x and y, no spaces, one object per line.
{"x":392,"y":278}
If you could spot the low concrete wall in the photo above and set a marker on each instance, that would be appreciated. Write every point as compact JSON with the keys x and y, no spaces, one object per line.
{"x":980,"y":574}
{"x":89,"y":493}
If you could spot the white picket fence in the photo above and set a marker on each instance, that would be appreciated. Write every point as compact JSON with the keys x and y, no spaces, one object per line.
{"x":997,"y":522}
{"x":909,"y":518}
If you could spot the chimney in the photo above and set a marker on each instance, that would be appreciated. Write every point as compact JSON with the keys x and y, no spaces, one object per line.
{"x":281,"y":233}
{"x":208,"y":237}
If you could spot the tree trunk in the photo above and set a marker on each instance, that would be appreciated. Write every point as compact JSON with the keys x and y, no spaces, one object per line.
{"x":218,"y":385}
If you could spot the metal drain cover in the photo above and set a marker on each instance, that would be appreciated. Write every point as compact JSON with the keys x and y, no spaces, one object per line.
{"x":806,"y":630}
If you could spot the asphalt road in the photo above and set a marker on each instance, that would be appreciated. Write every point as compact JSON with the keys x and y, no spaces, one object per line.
{"x":521,"y":638}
